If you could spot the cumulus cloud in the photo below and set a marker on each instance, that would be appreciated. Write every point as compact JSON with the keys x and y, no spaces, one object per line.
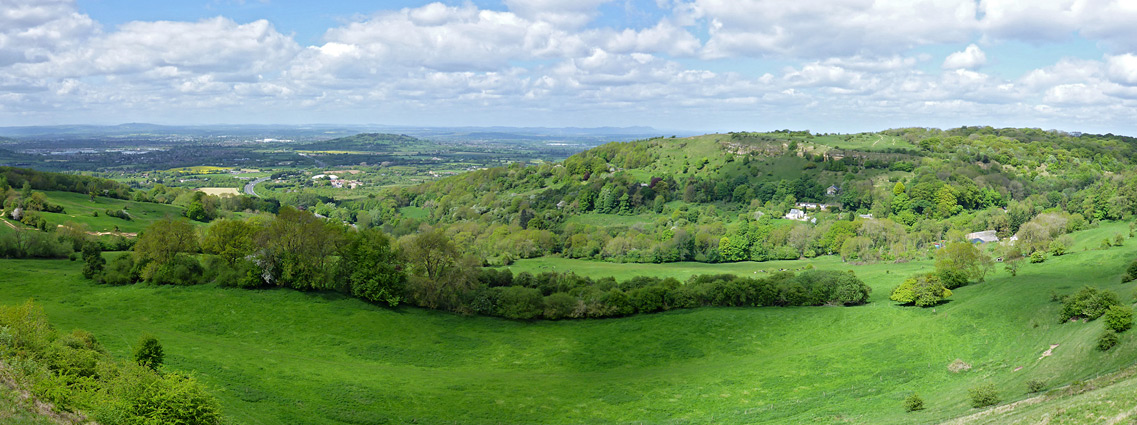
{"x":969,"y":58}
{"x":1123,"y":69}
{"x":33,"y":30}
{"x":845,"y":62}
{"x":819,"y":28}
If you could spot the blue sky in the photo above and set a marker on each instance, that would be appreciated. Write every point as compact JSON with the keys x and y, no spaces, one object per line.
{"x":700,"y":65}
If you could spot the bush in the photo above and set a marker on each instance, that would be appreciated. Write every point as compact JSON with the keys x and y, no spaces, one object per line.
{"x":1035,"y":385}
{"x":922,"y":291}
{"x":1090,"y":303}
{"x":120,"y":271}
{"x":149,"y":352}
{"x":913,"y":403}
{"x":984,"y":395}
{"x":1119,"y":318}
{"x":1037,"y":257}
{"x":184,"y":269}
{"x":1107,"y":340}
{"x":1130,"y":272}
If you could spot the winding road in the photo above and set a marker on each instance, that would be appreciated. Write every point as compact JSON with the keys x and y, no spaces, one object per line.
{"x":252,"y":186}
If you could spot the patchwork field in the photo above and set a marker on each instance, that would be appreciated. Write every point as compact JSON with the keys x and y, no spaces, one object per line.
{"x":219,"y":191}
{"x":286,"y":357}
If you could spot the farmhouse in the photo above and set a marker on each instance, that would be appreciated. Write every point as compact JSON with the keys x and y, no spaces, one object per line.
{"x":796,"y":214}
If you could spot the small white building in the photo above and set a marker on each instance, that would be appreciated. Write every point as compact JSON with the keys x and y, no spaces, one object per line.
{"x":796,"y":214}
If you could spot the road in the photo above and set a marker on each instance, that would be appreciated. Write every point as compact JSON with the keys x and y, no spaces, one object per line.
{"x":252,"y":186}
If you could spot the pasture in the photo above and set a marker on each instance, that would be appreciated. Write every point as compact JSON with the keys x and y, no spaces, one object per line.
{"x":79,"y":208}
{"x":288,"y":357}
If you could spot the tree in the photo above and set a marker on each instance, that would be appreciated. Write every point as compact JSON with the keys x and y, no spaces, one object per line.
{"x":196,"y":211}
{"x":93,"y":261}
{"x":149,"y":352}
{"x":1012,"y":260}
{"x":923,"y":290}
{"x":960,"y":262}
{"x":371,"y":268}
{"x":164,"y":239}
{"x":230,"y":239}
{"x":298,"y":249}
{"x":429,"y":253}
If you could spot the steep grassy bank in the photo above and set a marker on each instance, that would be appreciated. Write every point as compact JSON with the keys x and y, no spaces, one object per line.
{"x":281,"y":356}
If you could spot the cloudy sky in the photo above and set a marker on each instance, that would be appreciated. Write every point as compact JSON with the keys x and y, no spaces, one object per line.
{"x":703,"y":65}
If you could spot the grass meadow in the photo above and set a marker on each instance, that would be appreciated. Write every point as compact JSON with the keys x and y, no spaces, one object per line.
{"x":288,"y":357}
{"x":79,"y":208}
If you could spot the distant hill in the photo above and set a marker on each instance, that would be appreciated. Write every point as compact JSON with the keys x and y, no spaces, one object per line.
{"x":365,"y":142}
{"x":667,"y":199}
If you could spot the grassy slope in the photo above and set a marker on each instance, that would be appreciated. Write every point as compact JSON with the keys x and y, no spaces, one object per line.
{"x":78,"y":208}
{"x":280,"y":356}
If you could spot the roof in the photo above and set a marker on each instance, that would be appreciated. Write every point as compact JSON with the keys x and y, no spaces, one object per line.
{"x":984,"y":236}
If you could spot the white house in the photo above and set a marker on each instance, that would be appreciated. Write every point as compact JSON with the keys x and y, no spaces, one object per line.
{"x":796,"y":214}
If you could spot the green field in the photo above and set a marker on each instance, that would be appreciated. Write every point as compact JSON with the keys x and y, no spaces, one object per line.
{"x":286,"y":357}
{"x":78,"y":208}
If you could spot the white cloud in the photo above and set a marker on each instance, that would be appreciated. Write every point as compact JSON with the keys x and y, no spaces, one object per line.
{"x":1123,"y":69}
{"x":820,"y":28}
{"x":843,"y":63}
{"x":970,"y":58}
{"x":561,"y":13}
{"x":33,"y":30}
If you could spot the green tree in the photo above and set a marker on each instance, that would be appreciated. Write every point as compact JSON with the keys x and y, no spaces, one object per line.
{"x":230,"y":239}
{"x":149,"y":352}
{"x":196,"y":211}
{"x":371,"y":268}
{"x":922,"y":291}
{"x":298,"y":249}
{"x":961,"y":262}
{"x":945,"y":202}
{"x":430,"y":254}
{"x":93,"y":261}
{"x":164,"y":239}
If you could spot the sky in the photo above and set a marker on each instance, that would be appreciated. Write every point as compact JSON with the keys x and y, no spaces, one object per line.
{"x":696,"y":65}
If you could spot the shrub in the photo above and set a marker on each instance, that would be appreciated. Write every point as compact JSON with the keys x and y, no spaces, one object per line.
{"x":1035,"y":385}
{"x":93,"y":260}
{"x":149,"y":352}
{"x":1090,"y":303}
{"x":1119,"y":318}
{"x":1130,"y":272}
{"x":559,"y":305}
{"x":1037,"y":257}
{"x":1107,"y":340}
{"x":913,"y":403}
{"x":120,"y":271}
{"x":922,"y":291}
{"x":984,"y":395}
{"x":182,"y":270}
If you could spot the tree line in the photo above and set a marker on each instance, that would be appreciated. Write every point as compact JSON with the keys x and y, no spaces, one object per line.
{"x":296,"y":249}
